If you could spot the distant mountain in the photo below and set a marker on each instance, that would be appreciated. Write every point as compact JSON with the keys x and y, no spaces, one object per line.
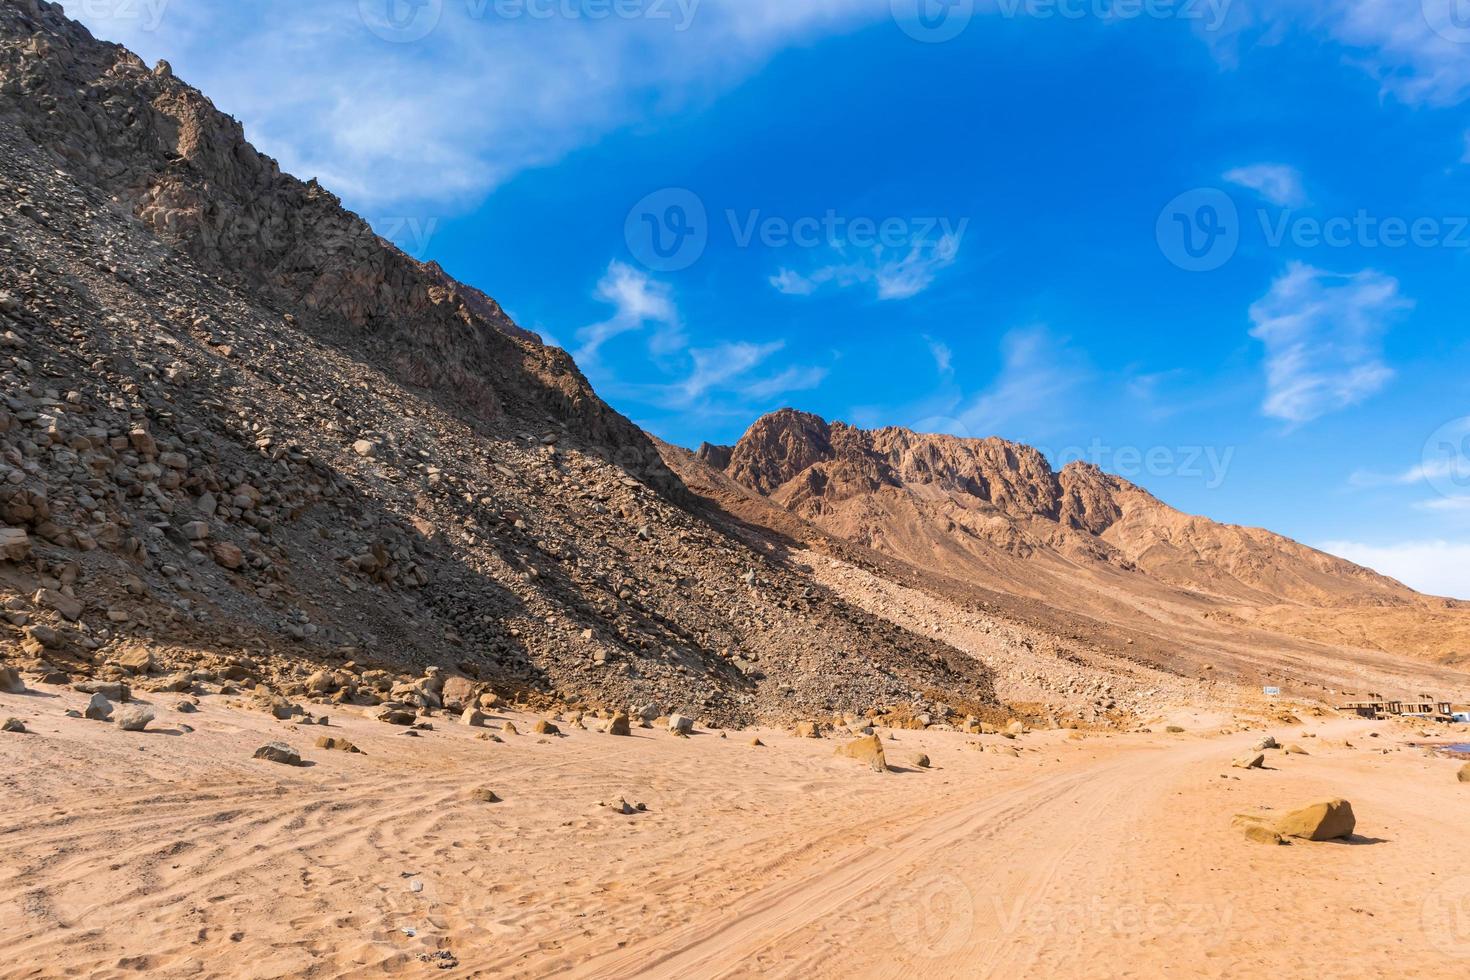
{"x":995,"y":513}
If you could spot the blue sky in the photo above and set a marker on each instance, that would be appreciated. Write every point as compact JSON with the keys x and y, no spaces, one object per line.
{"x":1217,"y":246}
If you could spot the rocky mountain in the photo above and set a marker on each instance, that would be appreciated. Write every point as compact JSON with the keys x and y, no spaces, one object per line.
{"x":244,"y":435}
{"x":995,"y":513}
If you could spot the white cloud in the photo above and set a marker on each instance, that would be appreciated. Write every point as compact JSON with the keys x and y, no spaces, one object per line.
{"x":1438,"y":568}
{"x":943,"y":356}
{"x":446,"y":118}
{"x":1424,"y":472}
{"x":793,"y":283}
{"x":1038,"y":373}
{"x":726,"y":370}
{"x":1414,"y":48}
{"x":637,"y":301}
{"x":1323,"y":334}
{"x":893,"y":276}
{"x":1276,"y":182}
{"x":1446,"y":505}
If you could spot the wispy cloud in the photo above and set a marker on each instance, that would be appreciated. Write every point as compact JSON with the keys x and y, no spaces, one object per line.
{"x":1276,"y":182}
{"x":1323,"y":335}
{"x":1423,"y":473}
{"x":943,"y":356}
{"x":1039,"y":374}
{"x":674,"y":375}
{"x":1440,"y":568}
{"x":1416,"y":49}
{"x":893,"y":276}
{"x":637,"y":302}
{"x":1445,"y":505}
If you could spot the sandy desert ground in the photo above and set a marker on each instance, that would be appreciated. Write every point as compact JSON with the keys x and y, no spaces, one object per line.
{"x":174,"y":853}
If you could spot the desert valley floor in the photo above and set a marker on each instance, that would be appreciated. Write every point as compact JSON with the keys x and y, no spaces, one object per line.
{"x":174,"y":853}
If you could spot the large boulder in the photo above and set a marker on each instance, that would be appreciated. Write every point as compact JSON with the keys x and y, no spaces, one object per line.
{"x":15,"y":544}
{"x":279,"y":752}
{"x":137,"y":660}
{"x":621,"y":724}
{"x":10,"y":682}
{"x":133,"y":718}
{"x":1328,"y":820}
{"x":98,"y":709}
{"x":681,"y":725}
{"x":459,"y":693}
{"x":868,"y":751}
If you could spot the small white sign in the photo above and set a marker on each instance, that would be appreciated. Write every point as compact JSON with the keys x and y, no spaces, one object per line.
{"x":1272,"y":692}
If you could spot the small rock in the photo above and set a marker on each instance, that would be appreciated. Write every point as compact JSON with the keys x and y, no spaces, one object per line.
{"x":509,"y":728}
{"x":680,"y":725}
{"x":757,"y":743}
{"x":483,"y":795}
{"x":337,"y":745}
{"x":807,"y":729}
{"x":14,"y":725}
{"x":620,"y":725}
{"x":279,"y":752}
{"x":921,"y":761}
{"x":69,"y":607}
{"x":1256,"y":761}
{"x":546,"y":728}
{"x":473,"y":718}
{"x":1465,"y":773}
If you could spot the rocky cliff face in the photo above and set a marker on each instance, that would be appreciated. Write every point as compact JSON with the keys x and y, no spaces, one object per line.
{"x":244,"y":434}
{"x":977,"y":503}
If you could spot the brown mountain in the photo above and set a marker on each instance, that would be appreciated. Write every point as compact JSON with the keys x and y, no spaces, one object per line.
{"x":996,"y":514}
{"x":242,"y":432}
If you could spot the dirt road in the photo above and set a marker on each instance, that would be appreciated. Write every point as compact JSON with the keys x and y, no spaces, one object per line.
{"x":173,"y":853}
